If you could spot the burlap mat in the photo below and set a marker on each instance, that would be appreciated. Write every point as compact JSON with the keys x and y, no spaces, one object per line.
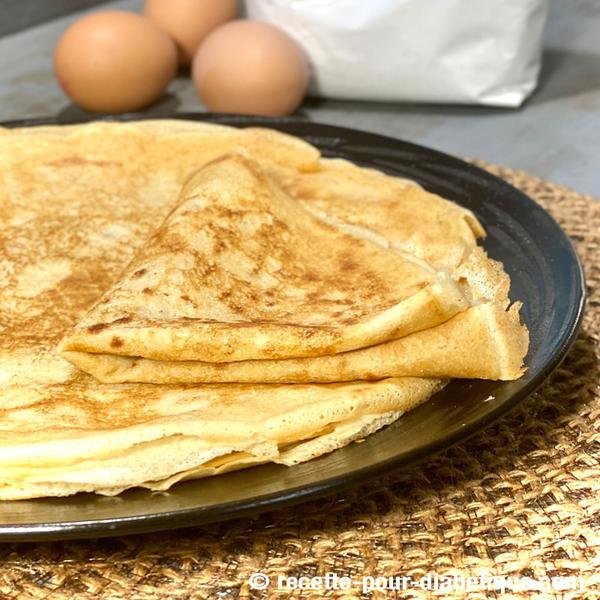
{"x":520,"y":499}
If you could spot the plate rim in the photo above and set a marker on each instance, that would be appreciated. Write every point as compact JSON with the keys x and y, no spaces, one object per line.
{"x":188,"y":517}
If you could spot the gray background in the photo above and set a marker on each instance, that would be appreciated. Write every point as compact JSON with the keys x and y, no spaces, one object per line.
{"x":556,"y":135}
{"x":19,"y":14}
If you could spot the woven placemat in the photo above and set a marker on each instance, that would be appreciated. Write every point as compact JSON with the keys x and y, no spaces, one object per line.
{"x":521,"y":499}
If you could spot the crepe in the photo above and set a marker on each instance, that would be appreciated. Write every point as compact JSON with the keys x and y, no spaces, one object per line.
{"x":239,"y":270}
{"x":496,"y":340}
{"x":79,"y":204}
{"x":241,"y":284}
{"x":91,"y":437}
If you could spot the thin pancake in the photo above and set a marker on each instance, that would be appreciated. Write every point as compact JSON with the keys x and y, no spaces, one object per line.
{"x":499,"y":339}
{"x":239,"y":270}
{"x":92,"y":437}
{"x":496,"y":340}
{"x":78,"y":202}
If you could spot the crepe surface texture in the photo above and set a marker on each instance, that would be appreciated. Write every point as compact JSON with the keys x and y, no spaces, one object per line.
{"x":217,"y":215}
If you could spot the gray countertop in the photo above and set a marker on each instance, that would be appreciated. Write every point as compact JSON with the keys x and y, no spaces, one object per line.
{"x":555,"y":135}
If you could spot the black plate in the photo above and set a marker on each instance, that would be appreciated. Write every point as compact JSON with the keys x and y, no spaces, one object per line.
{"x":545,"y":273}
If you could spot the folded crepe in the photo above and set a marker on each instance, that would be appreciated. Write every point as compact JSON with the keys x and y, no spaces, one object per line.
{"x":239,"y":270}
{"x":241,"y":283}
{"x":496,"y":340}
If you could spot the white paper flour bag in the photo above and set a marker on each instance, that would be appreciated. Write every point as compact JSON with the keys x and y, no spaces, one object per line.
{"x":459,"y":51}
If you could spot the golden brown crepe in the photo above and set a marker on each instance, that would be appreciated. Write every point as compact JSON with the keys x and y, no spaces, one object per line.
{"x":239,"y":270}
{"x":80,"y":202}
{"x":241,"y":284}
{"x":78,"y":435}
{"x":496,"y":340}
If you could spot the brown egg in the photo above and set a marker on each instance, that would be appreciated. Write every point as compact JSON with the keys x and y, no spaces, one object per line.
{"x":188,"y":22}
{"x":250,"y":67}
{"x":114,"y":61}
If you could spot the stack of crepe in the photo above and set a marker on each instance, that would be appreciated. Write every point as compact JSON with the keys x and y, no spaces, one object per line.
{"x":182,"y":299}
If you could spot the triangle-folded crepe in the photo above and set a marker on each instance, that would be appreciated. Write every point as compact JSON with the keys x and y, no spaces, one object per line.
{"x":242,"y":284}
{"x":239,"y":270}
